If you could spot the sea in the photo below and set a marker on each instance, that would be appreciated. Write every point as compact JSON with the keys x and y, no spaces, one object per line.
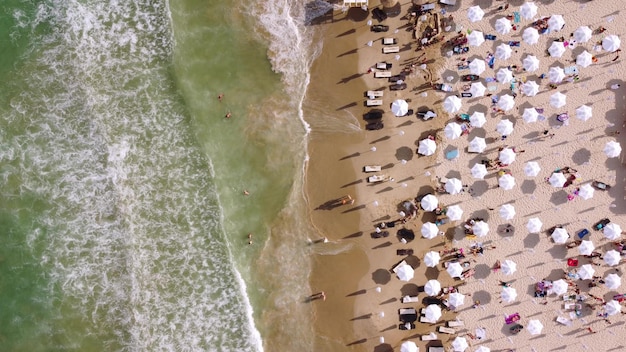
{"x":123,"y":218}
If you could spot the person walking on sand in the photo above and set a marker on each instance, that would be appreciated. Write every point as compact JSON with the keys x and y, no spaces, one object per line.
{"x":228,"y":115}
{"x":318,"y":295}
{"x":220,"y":97}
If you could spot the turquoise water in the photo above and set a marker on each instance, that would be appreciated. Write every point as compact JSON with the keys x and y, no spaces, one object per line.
{"x":122,"y":212}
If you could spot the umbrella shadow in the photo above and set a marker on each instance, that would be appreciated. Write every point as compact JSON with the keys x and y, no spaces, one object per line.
{"x":381,"y":276}
{"x":432,"y":273}
{"x":483,"y":296}
{"x":479,"y":188}
{"x":531,"y":241}
{"x":581,"y":156}
{"x":409,"y":290}
{"x":558,"y":252}
{"x":482,"y":271}
{"x":404,"y":153}
{"x":559,"y":197}
{"x":383,"y":347}
{"x":528,"y":186}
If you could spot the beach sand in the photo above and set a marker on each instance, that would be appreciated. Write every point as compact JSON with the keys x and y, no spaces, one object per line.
{"x":352,"y":265}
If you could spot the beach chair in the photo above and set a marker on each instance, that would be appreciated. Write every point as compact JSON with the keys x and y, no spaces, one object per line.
{"x":424,"y":320}
{"x":389,"y":41}
{"x":377,"y":178}
{"x":564,"y":321}
{"x":375,"y":93}
{"x":371,"y":168}
{"x":430,"y":337}
{"x":445,"y":330}
{"x":391,"y":49}
{"x":410,"y":299}
{"x":374,"y":102}
{"x":395,"y":270}
{"x":569,"y":306}
{"x":455,"y":323}
{"x":383,"y":65}
{"x":382,"y":74}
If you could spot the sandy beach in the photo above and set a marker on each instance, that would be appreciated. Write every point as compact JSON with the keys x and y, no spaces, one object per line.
{"x":363,"y":296}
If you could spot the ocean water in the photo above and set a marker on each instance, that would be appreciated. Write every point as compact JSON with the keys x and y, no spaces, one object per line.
{"x":122,"y":216}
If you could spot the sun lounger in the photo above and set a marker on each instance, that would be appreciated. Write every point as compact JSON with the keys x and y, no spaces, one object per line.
{"x":569,"y":306}
{"x":407,"y":311}
{"x":377,"y":178}
{"x":435,"y":349}
{"x":374,"y":102}
{"x":382,"y":74}
{"x":444,"y":330}
{"x":455,"y":323}
{"x":410,"y":299}
{"x":424,"y":320}
{"x":406,"y":326}
{"x":395,"y":270}
{"x":564,"y":321}
{"x":389,"y":41}
{"x":430,"y":337}
{"x":391,"y":49}
{"x":375,"y":93}
{"x":371,"y":168}
{"x":383,"y":65}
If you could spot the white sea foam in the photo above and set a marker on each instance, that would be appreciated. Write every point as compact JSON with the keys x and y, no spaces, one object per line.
{"x":131,"y":223}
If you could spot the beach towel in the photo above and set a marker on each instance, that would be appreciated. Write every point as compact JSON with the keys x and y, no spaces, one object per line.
{"x":571,"y":70}
{"x":517,"y":18}
{"x":572,"y":262}
{"x":512,"y":318}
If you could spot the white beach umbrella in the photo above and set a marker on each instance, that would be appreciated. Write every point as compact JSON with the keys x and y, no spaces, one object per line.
{"x":556,"y":74}
{"x":612,"y":281}
{"x":505,"y":127}
{"x":477,"y":89}
{"x":508,"y":267}
{"x":431,"y":259}
{"x":429,"y":230}
{"x":432,"y":313}
{"x":612,"y":149}
{"x":508,"y":294}
{"x":405,"y":272}
{"x":585,"y":272}
{"x":586,"y":191}
{"x":456,"y":299}
{"x":479,"y":171}
{"x":530,"y":115}
{"x":477,"y":145}
{"x":532,"y":168}
{"x":506,"y":156}
{"x":507,"y":211}
{"x":530,"y":36}
{"x":530,"y":88}
{"x":534,"y":327}
{"x":459,"y":344}
{"x":612,"y":257}
{"x":534,"y":225}
{"x":477,"y":66}
{"x":611,"y":43}
{"x":429,"y":202}
{"x":432,"y":287}
{"x":482,"y":349}
{"x":503,"y":51}
{"x":399,"y":107}
{"x":476,"y":38}
{"x":559,"y":287}
{"x":582,"y":34}
{"x":506,"y":102}
{"x":584,"y":59}
{"x":454,"y":269}
{"x":555,"y":23}
{"x":559,"y":235}
{"x":506,"y":182}
{"x":528,"y":11}
{"x":530,"y":63}
{"x":454,"y":212}
{"x":557,"y":179}
{"x":480,"y":228}
{"x":453,"y":186}
{"x":558,"y":100}
{"x":583,"y":112}
{"x":452,"y":104}
{"x":556,"y":49}
{"x":475,"y":13}
{"x":503,"y":25}
{"x":409,"y":346}
{"x":612,"y":307}
{"x":427,"y":147}
{"x":504,"y":75}
{"x":612,"y":231}
{"x":586,"y":247}
{"x":452,"y":130}
{"x":477,"y":119}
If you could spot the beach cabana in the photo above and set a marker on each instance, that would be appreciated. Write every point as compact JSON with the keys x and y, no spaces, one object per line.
{"x":477,"y":89}
{"x":584,"y":59}
{"x":530,"y":88}
{"x":559,"y":235}
{"x":558,"y":100}
{"x":508,"y":294}
{"x":611,"y":43}
{"x":531,"y":169}
{"x":507,"y":211}
{"x":555,"y":23}
{"x":612,"y":281}
{"x":503,"y":52}
{"x":477,"y":66}
{"x":429,"y":202}
{"x":612,"y":307}
{"x":427,"y":147}
{"x":582,"y":34}
{"x":459,"y":344}
{"x":534,"y":225}
{"x":612,"y":257}
{"x":530,"y":63}
{"x":506,"y":182}
{"x":508,"y":267}
{"x":503,"y":25}
{"x":612,"y":231}
{"x":534,"y":327}
{"x":452,"y":104}
{"x":476,"y":38}
{"x":557,"y":179}
{"x":506,"y":102}
{"x":586,"y":247}
{"x":556,"y":49}
{"x":612,"y":149}
{"x":556,"y":74}
{"x":479,"y":171}
{"x":586,"y":272}
{"x":431,"y":259}
{"x":475,"y":13}
{"x":528,"y":10}
{"x":504,"y":75}
{"x":454,"y":212}
{"x":477,"y":145}
{"x":409,"y":346}
{"x":432,"y":287}
{"x":530,"y":115}
{"x":429,"y":230}
{"x":583,"y":112}
{"x":530,"y":36}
